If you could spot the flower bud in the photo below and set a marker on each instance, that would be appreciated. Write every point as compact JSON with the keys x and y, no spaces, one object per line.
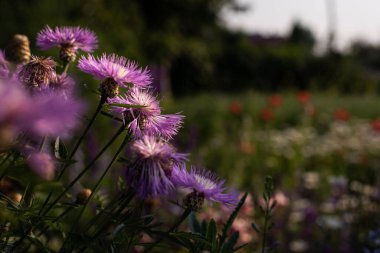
{"x":18,"y":50}
{"x":194,"y":201}
{"x":108,"y":89}
{"x":83,"y":196}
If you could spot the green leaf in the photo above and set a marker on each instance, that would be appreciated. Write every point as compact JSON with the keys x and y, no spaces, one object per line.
{"x":228,"y":247}
{"x":191,"y":236}
{"x":127,"y":106}
{"x":194,"y":224}
{"x":256,"y":228}
{"x":204,"y":228}
{"x":231,"y":219}
{"x":60,"y":150}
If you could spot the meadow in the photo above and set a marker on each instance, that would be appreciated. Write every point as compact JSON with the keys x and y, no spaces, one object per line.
{"x":322,"y":150}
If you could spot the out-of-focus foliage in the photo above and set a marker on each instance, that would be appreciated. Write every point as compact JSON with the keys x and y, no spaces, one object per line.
{"x":188,"y":40}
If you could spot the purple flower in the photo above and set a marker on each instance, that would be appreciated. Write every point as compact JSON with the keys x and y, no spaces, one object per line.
{"x":70,"y":39}
{"x":14,"y":103}
{"x":4,"y":66}
{"x":146,"y":118}
{"x":204,"y":185}
{"x":63,"y":85}
{"x":50,"y":115}
{"x":42,"y":164}
{"x":114,"y":71}
{"x":153,"y":164}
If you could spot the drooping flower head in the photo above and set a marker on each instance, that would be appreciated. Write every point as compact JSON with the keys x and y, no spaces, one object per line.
{"x":114,"y":71}
{"x":154,"y":162}
{"x":145,"y":118}
{"x":203,"y":184}
{"x":4,"y":66}
{"x":38,"y":72}
{"x":70,"y":39}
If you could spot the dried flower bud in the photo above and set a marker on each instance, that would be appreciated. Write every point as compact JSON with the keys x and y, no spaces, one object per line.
{"x":10,"y":188}
{"x":67,"y":53}
{"x":18,"y":50}
{"x":108,"y":89}
{"x":82,"y":196}
{"x":16,"y":197}
{"x":37,"y":72}
{"x":194,"y":201}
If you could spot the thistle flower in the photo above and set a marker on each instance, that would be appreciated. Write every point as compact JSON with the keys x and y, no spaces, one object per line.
{"x":146,"y":119}
{"x":4,"y":66}
{"x":42,"y":164}
{"x":70,"y":39}
{"x":151,"y":171}
{"x":63,"y":85}
{"x":114,"y":71}
{"x":204,"y":185}
{"x":38,"y":72}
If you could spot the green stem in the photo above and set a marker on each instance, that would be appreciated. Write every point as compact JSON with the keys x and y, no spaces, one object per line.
{"x":125,"y":141}
{"x":121,"y":129}
{"x":66,"y":68}
{"x":171,"y":229}
{"x":98,"y":109}
{"x":42,"y":144}
{"x":6,"y":170}
{"x":266,"y":219}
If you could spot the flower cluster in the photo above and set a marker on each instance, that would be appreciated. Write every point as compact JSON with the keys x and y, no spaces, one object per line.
{"x":39,"y":108}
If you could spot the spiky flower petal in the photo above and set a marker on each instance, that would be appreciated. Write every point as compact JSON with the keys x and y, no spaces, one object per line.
{"x":154,"y":162}
{"x":202,"y":184}
{"x":145,"y":118}
{"x":115,"y":67}
{"x":76,"y":37}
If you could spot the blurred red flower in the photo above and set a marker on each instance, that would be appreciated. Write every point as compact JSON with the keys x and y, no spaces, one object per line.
{"x":376,"y":125}
{"x":235,"y":108}
{"x":266,"y":114}
{"x":341,"y":114}
{"x":275,"y":100}
{"x":303,"y":96}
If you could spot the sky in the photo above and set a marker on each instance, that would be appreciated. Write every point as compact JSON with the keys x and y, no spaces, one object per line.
{"x":355,"y":19}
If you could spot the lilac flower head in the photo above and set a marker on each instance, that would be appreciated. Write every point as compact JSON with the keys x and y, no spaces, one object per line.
{"x":146,"y":119}
{"x":14,"y":102}
{"x":50,"y":115}
{"x":114,"y":71}
{"x":4,"y":66}
{"x":42,"y":164}
{"x":151,"y":171}
{"x":37,"y":73}
{"x":63,"y":85}
{"x":70,"y":39}
{"x":204,"y":185}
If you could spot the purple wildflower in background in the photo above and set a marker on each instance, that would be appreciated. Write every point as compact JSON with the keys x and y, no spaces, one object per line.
{"x":114,"y":71}
{"x":147,"y":119}
{"x":204,"y":184}
{"x":51,"y":115}
{"x":70,"y":39}
{"x":62,"y":85}
{"x":42,"y":164}
{"x":154,"y":162}
{"x":4,"y":66}
{"x":14,"y":103}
